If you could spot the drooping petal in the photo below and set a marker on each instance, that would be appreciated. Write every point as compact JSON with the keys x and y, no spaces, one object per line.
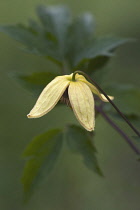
{"x":94,"y":89}
{"x":105,"y":99}
{"x":49,"y":97}
{"x":82,"y":102}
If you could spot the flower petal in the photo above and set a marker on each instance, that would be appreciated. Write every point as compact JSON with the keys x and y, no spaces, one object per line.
{"x":82,"y":102}
{"x":49,"y":97}
{"x":94,"y":89}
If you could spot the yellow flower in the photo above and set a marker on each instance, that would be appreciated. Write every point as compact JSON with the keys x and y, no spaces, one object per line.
{"x":79,"y":94}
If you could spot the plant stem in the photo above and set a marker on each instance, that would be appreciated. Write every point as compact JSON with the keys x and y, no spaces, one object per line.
{"x":128,"y":140}
{"x":112,"y":103}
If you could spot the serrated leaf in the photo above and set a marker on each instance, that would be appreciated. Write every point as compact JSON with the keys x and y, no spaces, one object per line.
{"x":35,"y":41}
{"x":67,"y":43}
{"x":20,"y":33}
{"x":41,"y":156}
{"x":35,"y":82}
{"x":127,"y":98}
{"x":99,"y":47}
{"x":80,"y":141}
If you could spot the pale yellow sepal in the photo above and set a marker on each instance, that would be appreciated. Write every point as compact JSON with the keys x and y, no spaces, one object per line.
{"x":82,"y":102}
{"x":49,"y":97}
{"x":93,"y":88}
{"x":80,"y":96}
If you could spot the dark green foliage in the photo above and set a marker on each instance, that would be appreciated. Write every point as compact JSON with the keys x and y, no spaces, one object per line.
{"x":35,"y":82}
{"x":99,"y":47}
{"x":56,"y":21}
{"x":35,"y":42}
{"x":70,"y":43}
{"x":43,"y":150}
{"x":97,"y":63}
{"x":64,"y":40}
{"x":80,"y":141}
{"x":21,"y":33}
{"x":81,"y":33}
{"x":41,"y":156}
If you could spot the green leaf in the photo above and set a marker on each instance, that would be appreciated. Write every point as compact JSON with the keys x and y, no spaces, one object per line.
{"x":65,"y":42}
{"x":97,"y":63}
{"x":56,"y":21}
{"x":32,"y":39}
{"x":95,"y":68}
{"x":20,"y":33}
{"x":35,"y":82}
{"x":80,"y":141}
{"x":127,"y":98}
{"x":99,"y":47}
{"x":35,"y":42}
{"x":80,"y":34}
{"x":41,"y":155}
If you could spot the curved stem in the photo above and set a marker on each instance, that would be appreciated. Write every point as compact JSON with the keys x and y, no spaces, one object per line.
{"x":128,"y":140}
{"x":112,"y":103}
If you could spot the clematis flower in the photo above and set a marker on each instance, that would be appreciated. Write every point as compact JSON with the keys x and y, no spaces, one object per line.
{"x":79,"y":93}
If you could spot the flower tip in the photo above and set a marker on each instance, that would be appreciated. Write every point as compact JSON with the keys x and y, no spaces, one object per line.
{"x":105,"y":99}
{"x":111,"y":98}
{"x":29,"y":116}
{"x":90,"y":129}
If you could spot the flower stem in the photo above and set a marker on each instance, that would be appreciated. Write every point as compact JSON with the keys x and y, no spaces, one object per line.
{"x":128,"y":140}
{"x":112,"y":103}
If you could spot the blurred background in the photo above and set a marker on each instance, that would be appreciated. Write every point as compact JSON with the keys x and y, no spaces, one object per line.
{"x":71,"y":185}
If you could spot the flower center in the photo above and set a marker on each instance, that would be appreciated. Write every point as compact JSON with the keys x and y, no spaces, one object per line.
{"x":65,"y":98}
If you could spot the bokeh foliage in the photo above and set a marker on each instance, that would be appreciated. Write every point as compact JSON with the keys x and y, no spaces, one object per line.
{"x":70,"y":43}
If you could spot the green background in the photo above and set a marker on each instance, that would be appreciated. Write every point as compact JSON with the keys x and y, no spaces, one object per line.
{"x":71,"y":185}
